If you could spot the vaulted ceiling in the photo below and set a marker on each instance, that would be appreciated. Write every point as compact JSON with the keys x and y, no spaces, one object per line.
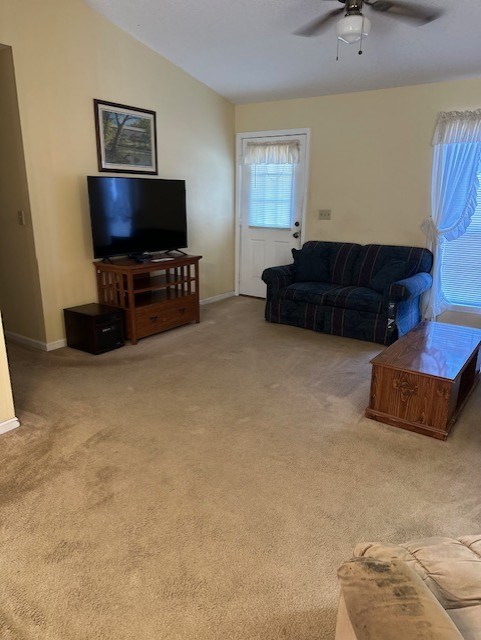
{"x":246,"y":51}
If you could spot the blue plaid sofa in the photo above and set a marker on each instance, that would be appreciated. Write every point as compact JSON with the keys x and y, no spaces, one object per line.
{"x":370,"y":292}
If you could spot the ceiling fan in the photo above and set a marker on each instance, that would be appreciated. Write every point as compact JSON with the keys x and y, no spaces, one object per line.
{"x":354,"y":26}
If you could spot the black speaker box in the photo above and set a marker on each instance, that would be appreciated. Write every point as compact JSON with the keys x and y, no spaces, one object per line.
{"x":94,"y":328}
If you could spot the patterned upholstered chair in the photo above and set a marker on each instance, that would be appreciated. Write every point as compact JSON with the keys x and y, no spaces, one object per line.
{"x":369,"y":292}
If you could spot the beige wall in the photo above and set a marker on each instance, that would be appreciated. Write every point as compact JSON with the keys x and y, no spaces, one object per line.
{"x":457,"y":317}
{"x":20,"y":300}
{"x":370,"y":156}
{"x":65,"y":55}
{"x":7,"y":411}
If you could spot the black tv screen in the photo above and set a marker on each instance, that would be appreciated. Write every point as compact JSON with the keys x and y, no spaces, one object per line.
{"x":134,"y":215}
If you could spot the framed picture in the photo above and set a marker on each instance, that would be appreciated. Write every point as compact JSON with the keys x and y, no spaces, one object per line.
{"x":126,"y":138}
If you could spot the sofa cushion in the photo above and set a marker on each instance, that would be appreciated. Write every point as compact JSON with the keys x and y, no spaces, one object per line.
{"x":392,"y":271}
{"x":373,"y":257}
{"x":311,"y":265}
{"x":313,"y":292}
{"x":342,"y":258}
{"x":356,"y":298}
{"x":332,"y":295}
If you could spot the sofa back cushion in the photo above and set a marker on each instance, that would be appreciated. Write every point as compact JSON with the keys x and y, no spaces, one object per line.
{"x":310,"y":265}
{"x":392,"y":271}
{"x":335,"y":262}
{"x":378,"y":265}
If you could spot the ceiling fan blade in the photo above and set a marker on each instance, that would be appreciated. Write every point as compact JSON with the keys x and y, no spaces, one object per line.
{"x":406,"y":10}
{"x":317,"y":25}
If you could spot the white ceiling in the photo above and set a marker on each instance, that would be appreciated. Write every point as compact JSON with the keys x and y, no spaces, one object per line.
{"x":245,"y":50}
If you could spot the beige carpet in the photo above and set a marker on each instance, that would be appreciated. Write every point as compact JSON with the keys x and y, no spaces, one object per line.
{"x":207,"y":483}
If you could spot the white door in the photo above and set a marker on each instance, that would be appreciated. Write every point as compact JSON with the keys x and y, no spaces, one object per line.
{"x":272,"y":199}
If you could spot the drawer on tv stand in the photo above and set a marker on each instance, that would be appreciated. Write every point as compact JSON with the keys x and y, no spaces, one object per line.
{"x":165,"y":315}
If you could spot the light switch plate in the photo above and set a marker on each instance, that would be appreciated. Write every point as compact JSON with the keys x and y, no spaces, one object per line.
{"x":324,"y":214}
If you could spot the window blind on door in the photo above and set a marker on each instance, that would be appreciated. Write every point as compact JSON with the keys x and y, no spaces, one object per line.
{"x":271,"y":195}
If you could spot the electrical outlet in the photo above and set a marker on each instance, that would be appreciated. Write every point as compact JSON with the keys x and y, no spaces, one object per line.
{"x":21,"y":218}
{"x":324,"y":214}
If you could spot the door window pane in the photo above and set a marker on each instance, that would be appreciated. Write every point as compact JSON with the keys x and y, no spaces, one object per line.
{"x":271,"y":195}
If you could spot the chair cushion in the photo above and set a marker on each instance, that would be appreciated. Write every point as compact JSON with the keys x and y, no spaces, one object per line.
{"x":392,"y":271}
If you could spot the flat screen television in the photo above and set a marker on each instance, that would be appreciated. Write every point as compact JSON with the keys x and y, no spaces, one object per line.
{"x":130,"y":216}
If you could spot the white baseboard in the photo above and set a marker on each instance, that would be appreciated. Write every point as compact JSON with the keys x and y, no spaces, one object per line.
{"x":58,"y":344}
{"x":28,"y":342}
{"x":221,"y":296}
{"x":35,"y":344}
{"x":8,"y":425}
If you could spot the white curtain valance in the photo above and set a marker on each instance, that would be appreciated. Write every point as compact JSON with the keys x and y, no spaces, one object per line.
{"x":458,"y":127}
{"x":272,"y":152}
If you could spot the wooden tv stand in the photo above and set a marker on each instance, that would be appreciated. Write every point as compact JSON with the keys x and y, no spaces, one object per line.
{"x":154,"y":296}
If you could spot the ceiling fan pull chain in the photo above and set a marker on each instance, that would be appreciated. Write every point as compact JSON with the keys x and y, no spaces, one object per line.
{"x":337,"y":52}
{"x":360,"y":41}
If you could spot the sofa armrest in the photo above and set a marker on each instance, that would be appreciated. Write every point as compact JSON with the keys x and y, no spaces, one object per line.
{"x":389,"y":600}
{"x":408,"y":288}
{"x":278,"y":278}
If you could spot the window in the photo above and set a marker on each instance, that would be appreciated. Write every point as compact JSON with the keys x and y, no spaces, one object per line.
{"x":455,"y":177}
{"x":461,"y":263}
{"x":271,"y":195}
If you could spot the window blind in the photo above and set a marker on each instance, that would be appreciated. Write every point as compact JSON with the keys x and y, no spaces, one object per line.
{"x":461,"y":263}
{"x":271,"y":195}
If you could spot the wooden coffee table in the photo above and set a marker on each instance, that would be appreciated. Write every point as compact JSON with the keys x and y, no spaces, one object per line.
{"x":422,"y":381}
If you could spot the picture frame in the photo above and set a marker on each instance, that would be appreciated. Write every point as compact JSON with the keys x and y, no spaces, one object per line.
{"x":126,"y":138}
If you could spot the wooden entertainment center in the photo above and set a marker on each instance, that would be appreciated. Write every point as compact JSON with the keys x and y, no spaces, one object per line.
{"x":154,"y":296}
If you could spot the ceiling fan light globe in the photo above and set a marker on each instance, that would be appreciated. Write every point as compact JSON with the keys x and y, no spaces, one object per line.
{"x":350,"y":28}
